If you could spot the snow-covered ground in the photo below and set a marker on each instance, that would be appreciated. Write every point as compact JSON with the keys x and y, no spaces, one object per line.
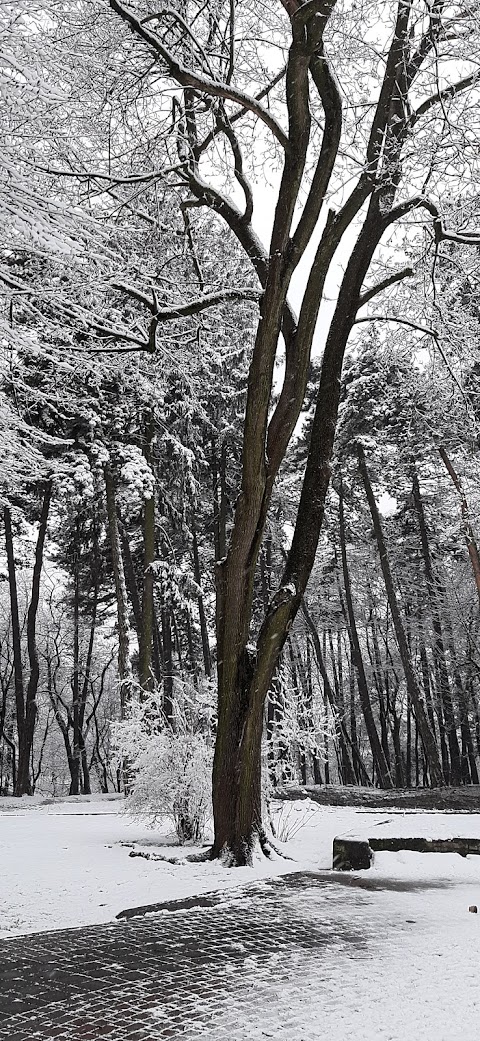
{"x":67,"y":863}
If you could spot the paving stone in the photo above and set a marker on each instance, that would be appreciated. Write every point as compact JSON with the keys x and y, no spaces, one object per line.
{"x":215,"y":970}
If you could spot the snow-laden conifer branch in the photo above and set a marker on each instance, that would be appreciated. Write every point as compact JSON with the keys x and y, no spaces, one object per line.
{"x":76,"y":315}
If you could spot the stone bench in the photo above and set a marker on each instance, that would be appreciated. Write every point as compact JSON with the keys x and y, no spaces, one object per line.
{"x":353,"y":853}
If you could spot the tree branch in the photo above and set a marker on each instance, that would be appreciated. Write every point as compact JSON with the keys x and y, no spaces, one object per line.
{"x":406,"y":272}
{"x":167,"y":314}
{"x":441,"y":233}
{"x":186,"y":78}
{"x":443,"y":95}
{"x":203,"y":145}
{"x":426,"y":329}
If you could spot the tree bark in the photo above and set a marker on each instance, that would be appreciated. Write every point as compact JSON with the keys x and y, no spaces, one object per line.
{"x":16,"y":640}
{"x":27,"y":705}
{"x":167,"y":661}
{"x":197,"y":573}
{"x":77,"y":755}
{"x":147,"y":617}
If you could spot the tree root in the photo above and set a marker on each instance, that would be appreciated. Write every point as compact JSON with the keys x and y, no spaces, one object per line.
{"x":201,"y":858}
{"x":268,"y":847}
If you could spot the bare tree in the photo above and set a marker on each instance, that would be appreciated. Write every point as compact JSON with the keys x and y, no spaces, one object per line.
{"x":393,"y":180}
{"x":365,"y":109}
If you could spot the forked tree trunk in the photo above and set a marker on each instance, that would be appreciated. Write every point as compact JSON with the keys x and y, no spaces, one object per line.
{"x":245,"y":673}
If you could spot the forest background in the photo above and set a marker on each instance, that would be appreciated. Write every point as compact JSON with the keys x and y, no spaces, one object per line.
{"x":233,"y":233}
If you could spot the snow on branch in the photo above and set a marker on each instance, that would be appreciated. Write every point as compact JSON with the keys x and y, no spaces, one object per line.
{"x":167,"y":314}
{"x":405,"y":272}
{"x":444,"y":95}
{"x":442,"y":234}
{"x":187,"y":78}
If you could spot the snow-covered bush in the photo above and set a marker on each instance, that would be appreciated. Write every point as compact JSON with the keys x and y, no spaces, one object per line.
{"x":169,"y":769}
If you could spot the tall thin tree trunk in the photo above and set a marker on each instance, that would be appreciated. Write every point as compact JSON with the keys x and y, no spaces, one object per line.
{"x":167,"y":642}
{"x":469,"y":771}
{"x":439,"y":646}
{"x":147,"y":618}
{"x":378,"y":755}
{"x":466,"y":522}
{"x":317,"y":773}
{"x":125,"y":674}
{"x":431,"y":751}
{"x":28,"y":703}
{"x":376,"y":664}
{"x":327,"y":687}
{"x":146,"y":630}
{"x":197,"y":573}
{"x":77,"y":755}
{"x":20,"y":787}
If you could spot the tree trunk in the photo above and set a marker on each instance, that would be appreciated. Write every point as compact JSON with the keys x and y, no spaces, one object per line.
{"x":431,"y":751}
{"x":244,"y":673}
{"x":327,"y":687}
{"x":124,"y":665}
{"x":167,"y":661}
{"x":466,"y":522}
{"x":77,"y":755}
{"x":439,"y":646}
{"x":147,"y":618}
{"x":376,"y":664}
{"x":27,"y":706}
{"x":146,"y":626}
{"x":21,"y":787}
{"x":197,"y":574}
{"x":378,"y":755}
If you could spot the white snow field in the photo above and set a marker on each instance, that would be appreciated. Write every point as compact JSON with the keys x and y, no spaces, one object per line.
{"x":67,"y":863}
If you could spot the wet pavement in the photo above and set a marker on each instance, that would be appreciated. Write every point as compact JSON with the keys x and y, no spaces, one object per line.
{"x":284,"y":958}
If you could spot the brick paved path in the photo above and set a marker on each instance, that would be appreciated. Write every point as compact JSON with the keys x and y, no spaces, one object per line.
{"x":287,"y":959}
{"x":207,"y":971}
